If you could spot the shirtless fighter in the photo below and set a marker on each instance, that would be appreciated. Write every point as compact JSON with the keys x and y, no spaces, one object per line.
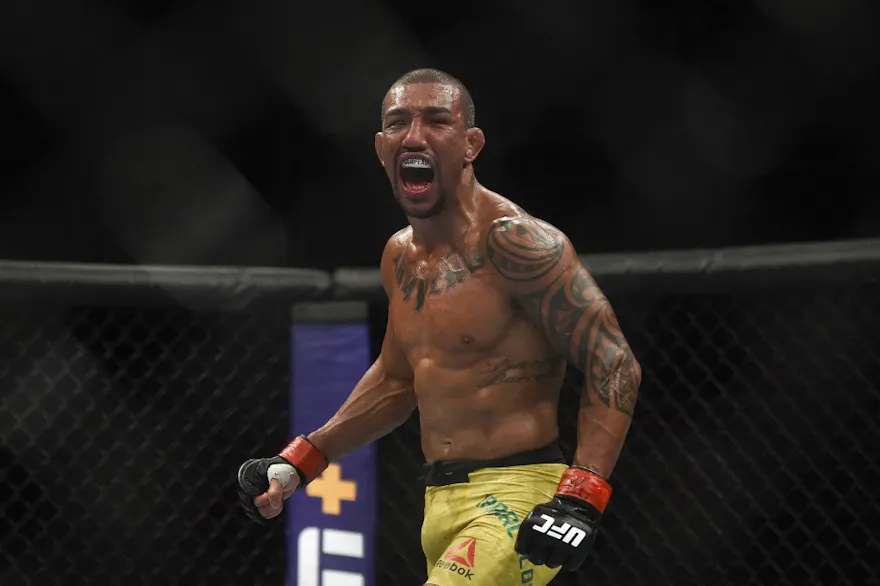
{"x":487,"y":303}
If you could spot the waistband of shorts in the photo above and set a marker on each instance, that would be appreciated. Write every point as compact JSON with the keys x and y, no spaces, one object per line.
{"x":446,"y":472}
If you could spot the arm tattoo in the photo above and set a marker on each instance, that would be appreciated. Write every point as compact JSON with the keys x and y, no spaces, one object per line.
{"x":579,"y":319}
{"x":575,"y":314}
{"x":523,"y":251}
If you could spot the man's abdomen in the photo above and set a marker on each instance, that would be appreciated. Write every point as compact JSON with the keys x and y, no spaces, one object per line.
{"x":491,"y":397}
{"x":492,"y":409}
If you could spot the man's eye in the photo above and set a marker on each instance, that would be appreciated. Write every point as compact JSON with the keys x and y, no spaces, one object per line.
{"x":395,"y":123}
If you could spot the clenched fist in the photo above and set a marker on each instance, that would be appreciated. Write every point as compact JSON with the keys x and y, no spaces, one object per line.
{"x":561,"y":532}
{"x":265,"y":483}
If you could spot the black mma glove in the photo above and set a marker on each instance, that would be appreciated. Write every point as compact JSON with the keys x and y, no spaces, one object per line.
{"x":300,"y":462}
{"x":560,"y":533}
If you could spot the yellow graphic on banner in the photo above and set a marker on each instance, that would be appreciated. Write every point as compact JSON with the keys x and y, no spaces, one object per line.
{"x":332,"y":490}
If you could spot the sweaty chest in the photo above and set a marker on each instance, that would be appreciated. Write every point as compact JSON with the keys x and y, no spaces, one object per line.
{"x":453,"y":308}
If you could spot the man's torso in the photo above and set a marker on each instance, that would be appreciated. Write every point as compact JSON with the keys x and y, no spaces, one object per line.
{"x":486,"y":377}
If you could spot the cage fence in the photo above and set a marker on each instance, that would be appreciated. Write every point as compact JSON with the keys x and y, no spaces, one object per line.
{"x":752,"y":458}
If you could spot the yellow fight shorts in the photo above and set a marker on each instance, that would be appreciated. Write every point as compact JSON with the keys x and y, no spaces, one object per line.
{"x":473,"y":511}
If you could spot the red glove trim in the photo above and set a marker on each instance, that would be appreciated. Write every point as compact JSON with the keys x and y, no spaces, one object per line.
{"x":305,"y":457}
{"x":585,"y":485}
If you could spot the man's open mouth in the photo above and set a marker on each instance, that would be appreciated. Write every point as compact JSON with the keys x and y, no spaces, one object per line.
{"x":416,"y":174}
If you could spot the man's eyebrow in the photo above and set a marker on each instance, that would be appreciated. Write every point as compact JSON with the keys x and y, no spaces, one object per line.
{"x":396,"y":112}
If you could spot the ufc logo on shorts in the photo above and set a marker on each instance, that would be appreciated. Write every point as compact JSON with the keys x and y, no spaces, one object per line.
{"x":313,"y":542}
{"x":564,"y":532}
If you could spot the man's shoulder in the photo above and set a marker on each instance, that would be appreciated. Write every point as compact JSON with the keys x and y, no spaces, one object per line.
{"x":397,"y":243}
{"x":503,"y":212}
{"x":506,"y":219}
{"x":394,"y":247}
{"x":522,"y":248}
{"x":522,"y":223}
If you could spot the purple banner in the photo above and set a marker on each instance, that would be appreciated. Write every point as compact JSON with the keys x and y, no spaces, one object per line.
{"x":331,"y":523}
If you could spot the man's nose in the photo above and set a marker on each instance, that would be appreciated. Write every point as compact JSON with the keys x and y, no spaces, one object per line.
{"x":415,"y":136}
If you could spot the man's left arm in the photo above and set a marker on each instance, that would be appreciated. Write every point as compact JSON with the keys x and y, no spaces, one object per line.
{"x":539,"y":267}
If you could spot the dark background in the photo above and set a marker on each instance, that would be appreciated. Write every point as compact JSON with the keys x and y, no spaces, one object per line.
{"x":234,"y":132}
{"x":241,"y":132}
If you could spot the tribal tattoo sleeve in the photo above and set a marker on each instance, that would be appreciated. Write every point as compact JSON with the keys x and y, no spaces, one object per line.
{"x":542,"y":270}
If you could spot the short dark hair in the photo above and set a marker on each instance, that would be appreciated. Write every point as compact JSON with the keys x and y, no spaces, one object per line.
{"x":428,"y":75}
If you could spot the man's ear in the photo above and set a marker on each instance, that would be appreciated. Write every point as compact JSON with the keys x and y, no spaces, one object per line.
{"x":377,"y":142}
{"x":476,"y":140}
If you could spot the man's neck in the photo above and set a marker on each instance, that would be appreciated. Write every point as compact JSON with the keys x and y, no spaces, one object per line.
{"x":447,"y":227}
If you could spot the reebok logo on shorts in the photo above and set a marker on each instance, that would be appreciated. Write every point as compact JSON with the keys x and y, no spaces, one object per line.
{"x":459,"y":559}
{"x":463,"y":553}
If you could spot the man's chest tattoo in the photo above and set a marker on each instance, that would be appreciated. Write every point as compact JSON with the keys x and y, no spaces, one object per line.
{"x":451,"y":270}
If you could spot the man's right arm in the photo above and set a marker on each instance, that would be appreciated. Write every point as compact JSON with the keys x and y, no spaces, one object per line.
{"x":383,"y":399}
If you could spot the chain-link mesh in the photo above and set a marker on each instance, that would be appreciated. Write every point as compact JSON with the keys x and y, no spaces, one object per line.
{"x":753,"y":458}
{"x":120,"y":434}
